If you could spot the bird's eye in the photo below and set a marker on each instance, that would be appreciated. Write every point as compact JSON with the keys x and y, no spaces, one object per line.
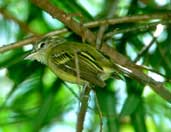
{"x":41,"y":45}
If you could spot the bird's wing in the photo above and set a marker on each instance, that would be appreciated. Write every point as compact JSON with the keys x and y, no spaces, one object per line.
{"x":87,"y":68}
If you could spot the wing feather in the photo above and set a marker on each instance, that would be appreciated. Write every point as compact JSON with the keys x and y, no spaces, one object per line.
{"x":88,"y":69}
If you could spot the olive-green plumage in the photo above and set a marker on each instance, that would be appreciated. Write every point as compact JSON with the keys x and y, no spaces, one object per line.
{"x":73,"y":62}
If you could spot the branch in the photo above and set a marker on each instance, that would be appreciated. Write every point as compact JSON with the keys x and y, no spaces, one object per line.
{"x":83,"y":109}
{"x":154,"y":71}
{"x":99,"y":112}
{"x":130,"y":19}
{"x":67,"y":19}
{"x":140,"y":28}
{"x":18,"y":44}
{"x":124,"y":65}
{"x":30,"y":40}
{"x":110,"y":13}
{"x":145,"y":49}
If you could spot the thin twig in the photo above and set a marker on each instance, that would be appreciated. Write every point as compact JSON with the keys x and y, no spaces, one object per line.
{"x":110,"y":13}
{"x":129,"y":19}
{"x":72,"y":91}
{"x":77,"y":67}
{"x":140,"y":28}
{"x":83,"y":109}
{"x":154,"y":71}
{"x":18,"y":44}
{"x":77,"y":97}
{"x":145,"y":49}
{"x":99,"y":112}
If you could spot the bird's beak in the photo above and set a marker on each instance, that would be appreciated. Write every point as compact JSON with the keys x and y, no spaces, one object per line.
{"x":31,"y":56}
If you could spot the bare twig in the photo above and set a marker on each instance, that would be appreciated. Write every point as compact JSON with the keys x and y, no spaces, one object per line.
{"x":99,"y":112}
{"x":83,"y":109}
{"x":140,"y":28}
{"x":129,"y":19}
{"x":77,"y":67}
{"x":154,"y":71}
{"x":18,"y":44}
{"x":145,"y":49}
{"x":109,"y":13}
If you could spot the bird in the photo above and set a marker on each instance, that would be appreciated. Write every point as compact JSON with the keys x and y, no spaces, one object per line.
{"x":74,"y":62}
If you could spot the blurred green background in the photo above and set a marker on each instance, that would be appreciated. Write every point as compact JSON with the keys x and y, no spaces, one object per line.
{"x":32,"y":98}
